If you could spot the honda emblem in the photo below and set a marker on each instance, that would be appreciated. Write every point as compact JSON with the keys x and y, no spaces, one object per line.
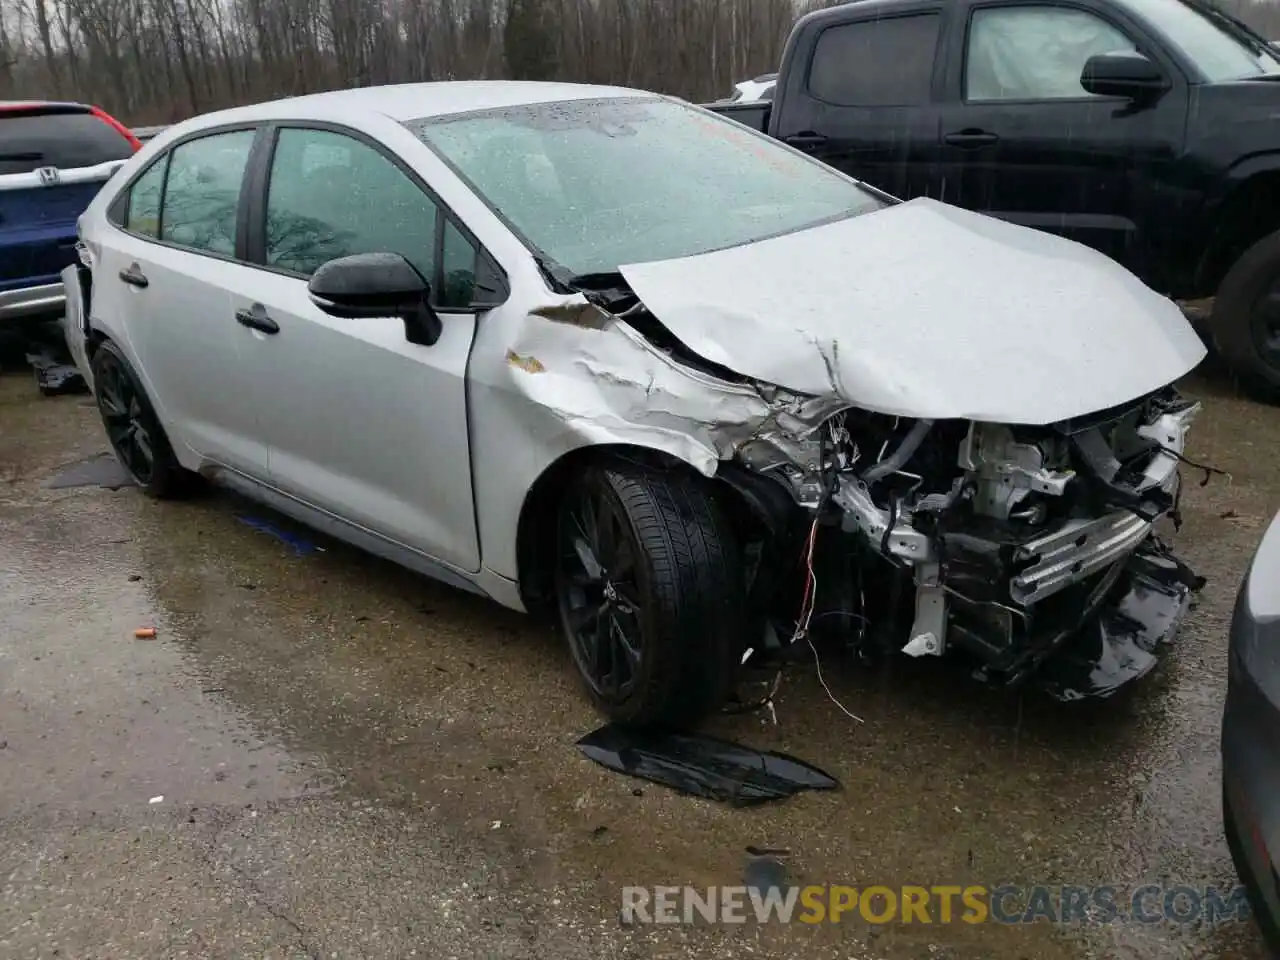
{"x":48,"y":175}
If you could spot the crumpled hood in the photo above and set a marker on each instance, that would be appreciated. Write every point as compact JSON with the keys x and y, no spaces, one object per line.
{"x":927,"y":310}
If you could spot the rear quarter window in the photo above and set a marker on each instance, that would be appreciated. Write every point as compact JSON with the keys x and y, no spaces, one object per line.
{"x":62,"y":140}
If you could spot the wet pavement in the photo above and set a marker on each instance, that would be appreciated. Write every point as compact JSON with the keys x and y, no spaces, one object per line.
{"x":321,"y":755}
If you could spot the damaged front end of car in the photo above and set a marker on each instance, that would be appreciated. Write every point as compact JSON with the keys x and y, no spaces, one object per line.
{"x":1031,"y":551}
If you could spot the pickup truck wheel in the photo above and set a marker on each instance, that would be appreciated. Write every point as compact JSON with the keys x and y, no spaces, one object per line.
{"x":1245,"y":325}
{"x":651,"y":595}
{"x":133,"y":430}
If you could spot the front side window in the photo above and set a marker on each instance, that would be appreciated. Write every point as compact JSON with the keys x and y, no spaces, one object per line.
{"x":1034,"y":53}
{"x":144,"y":200}
{"x":202,"y":192}
{"x":876,"y":63}
{"x":332,"y":196}
{"x":593,"y":185}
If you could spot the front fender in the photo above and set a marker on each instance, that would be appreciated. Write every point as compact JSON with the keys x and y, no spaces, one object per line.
{"x":563,"y":379}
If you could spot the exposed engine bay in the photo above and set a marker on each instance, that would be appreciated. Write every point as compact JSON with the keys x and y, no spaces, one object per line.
{"x":1008,"y":544}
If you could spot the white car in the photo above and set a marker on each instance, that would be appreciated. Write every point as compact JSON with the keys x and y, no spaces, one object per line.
{"x":761,"y":88}
{"x":691,"y":387}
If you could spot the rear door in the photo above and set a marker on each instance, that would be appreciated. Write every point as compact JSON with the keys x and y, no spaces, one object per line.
{"x":53,"y":160}
{"x":1022,"y":140}
{"x":861,"y":94}
{"x":165,"y":277}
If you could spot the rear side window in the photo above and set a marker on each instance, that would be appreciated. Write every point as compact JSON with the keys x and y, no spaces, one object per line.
{"x":62,"y":140}
{"x":202,"y":192}
{"x":876,"y":63}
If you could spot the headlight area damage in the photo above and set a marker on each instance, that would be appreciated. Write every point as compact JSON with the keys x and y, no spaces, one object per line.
{"x":1027,"y":552}
{"x":1030,"y":550}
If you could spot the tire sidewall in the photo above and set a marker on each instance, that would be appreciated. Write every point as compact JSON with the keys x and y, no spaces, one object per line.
{"x":690,"y":621}
{"x":596,"y":482}
{"x":1231,"y":324}
{"x":165,"y":472}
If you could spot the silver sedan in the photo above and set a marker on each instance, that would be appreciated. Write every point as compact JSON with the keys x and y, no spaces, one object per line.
{"x":604,"y":351}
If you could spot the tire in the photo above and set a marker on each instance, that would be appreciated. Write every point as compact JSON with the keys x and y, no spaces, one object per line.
{"x":134,"y":431}
{"x":666,"y":603}
{"x":1245,"y":325}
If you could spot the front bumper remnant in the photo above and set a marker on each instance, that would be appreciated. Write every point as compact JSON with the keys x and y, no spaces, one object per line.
{"x":1141,"y":614}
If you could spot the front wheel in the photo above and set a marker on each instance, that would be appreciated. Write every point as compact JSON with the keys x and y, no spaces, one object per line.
{"x":651,"y":594}
{"x":1245,"y":325}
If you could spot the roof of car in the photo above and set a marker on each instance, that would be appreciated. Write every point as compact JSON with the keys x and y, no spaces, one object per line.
{"x":11,"y":105}
{"x":410,"y":101}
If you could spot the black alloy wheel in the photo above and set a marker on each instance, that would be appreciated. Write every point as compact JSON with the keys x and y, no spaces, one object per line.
{"x":651,"y":592}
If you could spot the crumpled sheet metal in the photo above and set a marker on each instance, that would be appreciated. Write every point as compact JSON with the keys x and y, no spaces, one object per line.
{"x":608,"y":384}
{"x":929,"y":311}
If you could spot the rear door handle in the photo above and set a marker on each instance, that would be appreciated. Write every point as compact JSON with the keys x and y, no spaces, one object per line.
{"x":134,"y":277}
{"x":257,"y":319}
{"x":805,"y":141}
{"x":970,"y":139}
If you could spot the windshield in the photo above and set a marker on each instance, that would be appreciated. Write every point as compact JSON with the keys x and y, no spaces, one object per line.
{"x":594,"y":185}
{"x":1220,"y":47}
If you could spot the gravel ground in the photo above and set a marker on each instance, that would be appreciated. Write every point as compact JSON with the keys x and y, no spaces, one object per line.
{"x":356,"y":762}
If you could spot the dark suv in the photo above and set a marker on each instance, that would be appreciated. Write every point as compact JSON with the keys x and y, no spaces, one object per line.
{"x":54,"y":157}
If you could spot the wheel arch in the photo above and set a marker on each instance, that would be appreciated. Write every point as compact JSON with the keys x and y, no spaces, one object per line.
{"x":1246,"y":215}
{"x":753,"y":504}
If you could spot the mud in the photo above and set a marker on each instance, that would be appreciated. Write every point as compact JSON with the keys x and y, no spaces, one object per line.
{"x":357,"y":762}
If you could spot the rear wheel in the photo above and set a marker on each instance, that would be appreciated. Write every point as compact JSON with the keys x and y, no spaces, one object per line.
{"x":650,"y":590}
{"x":1245,"y":325}
{"x":132,"y":428}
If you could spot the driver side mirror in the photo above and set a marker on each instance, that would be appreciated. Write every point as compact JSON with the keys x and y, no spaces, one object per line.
{"x":1123,"y":74}
{"x":377,"y":285}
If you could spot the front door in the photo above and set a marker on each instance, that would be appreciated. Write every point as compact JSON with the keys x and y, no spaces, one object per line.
{"x":1023,"y":141}
{"x":360,"y":422}
{"x":867,"y":107}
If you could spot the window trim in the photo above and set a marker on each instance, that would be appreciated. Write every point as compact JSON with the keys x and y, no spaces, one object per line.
{"x":937,"y":13}
{"x":1139,"y":42}
{"x":258,"y":181}
{"x":120,"y":203}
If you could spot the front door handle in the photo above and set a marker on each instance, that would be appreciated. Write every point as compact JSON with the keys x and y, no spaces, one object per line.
{"x":969,"y":139}
{"x":256,"y":318}
{"x":805,"y":141}
{"x":134,"y":277}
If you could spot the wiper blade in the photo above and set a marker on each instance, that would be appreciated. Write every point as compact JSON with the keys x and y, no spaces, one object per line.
{"x":21,"y":156}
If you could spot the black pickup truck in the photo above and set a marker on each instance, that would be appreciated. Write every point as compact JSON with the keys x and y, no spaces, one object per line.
{"x":1147,"y":129}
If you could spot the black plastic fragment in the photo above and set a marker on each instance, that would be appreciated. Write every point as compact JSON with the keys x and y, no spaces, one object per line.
{"x":703,"y":766}
{"x":54,"y":377}
{"x":1122,"y":644}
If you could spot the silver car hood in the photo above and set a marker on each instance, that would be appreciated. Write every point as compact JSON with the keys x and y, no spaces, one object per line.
{"x":926,"y":310}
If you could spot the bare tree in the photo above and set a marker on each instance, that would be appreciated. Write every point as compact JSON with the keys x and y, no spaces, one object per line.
{"x":151,"y":61}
